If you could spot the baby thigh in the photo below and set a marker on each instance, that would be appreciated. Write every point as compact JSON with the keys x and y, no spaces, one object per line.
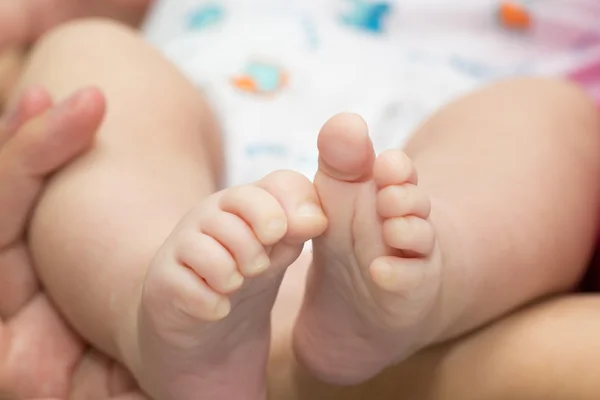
{"x":522,"y":356}
{"x":101,"y":219}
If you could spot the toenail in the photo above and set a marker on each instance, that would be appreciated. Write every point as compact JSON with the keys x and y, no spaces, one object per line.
{"x":309,"y":210}
{"x":402,"y":223}
{"x":401,"y":192}
{"x":386,"y":275}
{"x":277,"y":227}
{"x":382,"y":271}
{"x":222,"y":308}
{"x":235,"y":282}
{"x":260,"y":265}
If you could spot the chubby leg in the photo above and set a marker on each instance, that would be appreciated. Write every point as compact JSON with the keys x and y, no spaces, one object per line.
{"x":496,"y":206}
{"x":183,"y":312}
{"x":546,"y":351}
{"x":101,"y":220}
{"x":543,"y":352}
{"x":109,"y":211}
{"x":37,"y":349}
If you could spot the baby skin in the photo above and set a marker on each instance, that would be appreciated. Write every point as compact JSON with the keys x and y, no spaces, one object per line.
{"x":398,"y":264}
{"x":207,"y":298}
{"x":376,"y":271}
{"x":205,"y":309}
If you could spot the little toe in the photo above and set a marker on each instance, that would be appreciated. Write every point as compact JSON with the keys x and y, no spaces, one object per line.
{"x":300,"y":202}
{"x":210,"y":260}
{"x":409,"y":234}
{"x":402,"y":200}
{"x":397,"y":275}
{"x":394,"y":167}
{"x":238,"y":237}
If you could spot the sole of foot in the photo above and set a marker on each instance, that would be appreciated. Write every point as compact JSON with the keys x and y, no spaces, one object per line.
{"x":376,"y":270}
{"x":204,"y":319}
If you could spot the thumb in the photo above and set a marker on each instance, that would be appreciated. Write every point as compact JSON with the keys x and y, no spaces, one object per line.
{"x":40,"y":147}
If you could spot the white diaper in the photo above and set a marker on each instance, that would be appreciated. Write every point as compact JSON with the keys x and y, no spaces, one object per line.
{"x":275,"y":70}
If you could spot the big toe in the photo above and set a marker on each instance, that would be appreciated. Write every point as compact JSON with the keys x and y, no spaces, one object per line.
{"x":300,"y":201}
{"x":345,"y":149}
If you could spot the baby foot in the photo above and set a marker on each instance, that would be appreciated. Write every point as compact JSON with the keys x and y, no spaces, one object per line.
{"x":204,"y":320}
{"x":376,"y":270}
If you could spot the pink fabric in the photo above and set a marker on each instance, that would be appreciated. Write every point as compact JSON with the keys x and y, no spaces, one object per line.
{"x":589,"y":78}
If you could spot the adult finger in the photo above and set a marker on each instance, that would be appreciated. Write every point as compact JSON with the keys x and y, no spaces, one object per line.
{"x":31,"y":103}
{"x":38,"y":149}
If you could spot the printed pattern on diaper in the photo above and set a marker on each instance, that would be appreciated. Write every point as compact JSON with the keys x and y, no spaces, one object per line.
{"x":514,"y":16}
{"x":261,"y":78}
{"x":205,"y":15}
{"x":366,"y":15}
{"x":276,"y":69}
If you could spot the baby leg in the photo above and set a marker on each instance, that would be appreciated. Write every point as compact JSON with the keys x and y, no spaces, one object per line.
{"x":526,"y":354}
{"x":496,"y":206}
{"x":97,"y":235}
{"x":110,"y":210}
{"x":546,"y":351}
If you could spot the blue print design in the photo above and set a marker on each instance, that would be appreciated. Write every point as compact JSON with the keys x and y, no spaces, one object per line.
{"x":266,"y":149}
{"x":261,"y":78}
{"x":205,"y":16}
{"x":311,"y":33}
{"x":470,"y":68}
{"x":367,"y":15}
{"x":268,"y":77}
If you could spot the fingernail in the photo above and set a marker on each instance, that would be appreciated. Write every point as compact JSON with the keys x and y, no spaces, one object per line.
{"x":14,"y":118}
{"x":69,"y":102}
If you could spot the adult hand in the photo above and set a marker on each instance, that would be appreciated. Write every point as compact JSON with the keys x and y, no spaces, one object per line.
{"x":10,"y":67}
{"x":40,"y":356}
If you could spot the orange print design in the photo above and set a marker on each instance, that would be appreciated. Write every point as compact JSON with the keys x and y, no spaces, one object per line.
{"x":261,"y":78}
{"x":514,"y":16}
